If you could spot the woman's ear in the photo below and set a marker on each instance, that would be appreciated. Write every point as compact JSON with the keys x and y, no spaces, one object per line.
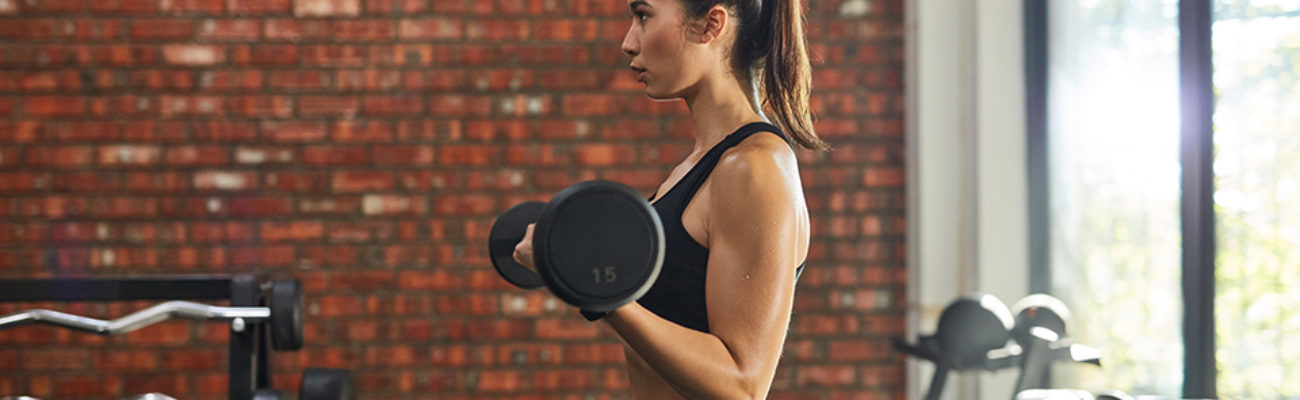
{"x":715,"y":22}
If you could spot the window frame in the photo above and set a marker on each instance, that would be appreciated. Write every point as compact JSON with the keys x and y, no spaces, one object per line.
{"x":1196,"y":155}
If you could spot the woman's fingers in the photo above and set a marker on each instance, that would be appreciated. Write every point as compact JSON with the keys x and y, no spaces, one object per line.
{"x":524,"y":250}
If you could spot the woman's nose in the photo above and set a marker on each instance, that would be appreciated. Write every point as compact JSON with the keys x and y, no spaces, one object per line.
{"x":629,"y":44}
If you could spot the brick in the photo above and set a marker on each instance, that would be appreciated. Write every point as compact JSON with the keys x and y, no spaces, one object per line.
{"x":465,"y":205}
{"x":826,"y":376}
{"x":309,"y":80}
{"x":8,"y":7}
{"x":194,"y":55}
{"x":266,"y":55}
{"x":884,"y":177}
{"x":125,"y":6}
{"x":364,"y":280}
{"x":469,"y":155}
{"x":431,"y":29}
{"x":336,"y":306}
{"x":460,"y":105}
{"x":394,"y":105}
{"x":363,"y":30}
{"x":158,"y":80}
{"x":220,"y":232}
{"x":225,"y":180}
{"x":191,"y":105}
{"x":369,"y":80}
{"x":262,"y":257}
{"x":56,"y":359}
{"x":358,"y":181}
{"x":156,"y":382}
{"x":86,"y":386}
{"x":129,"y":155}
{"x":264,"y":206}
{"x":856,"y":350}
{"x":326,"y":8}
{"x":566,"y":30}
{"x":295,"y":231}
{"x":260,"y":6}
{"x":296,"y":30}
{"x":293,"y":131}
{"x":570,"y":329}
{"x":403,"y":155}
{"x":162,"y":29}
{"x":328,"y":106}
{"x":192,"y":6}
{"x":588,"y":105}
{"x":335,"y":155}
{"x":87,"y":131}
{"x":334,"y":55}
{"x":54,"y":106}
{"x":603,"y":154}
{"x":230,"y":29}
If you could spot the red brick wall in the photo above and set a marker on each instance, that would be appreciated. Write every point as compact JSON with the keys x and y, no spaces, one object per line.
{"x":365,"y":147}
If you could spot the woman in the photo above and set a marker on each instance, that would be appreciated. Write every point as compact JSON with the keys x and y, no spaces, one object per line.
{"x":735,"y":221}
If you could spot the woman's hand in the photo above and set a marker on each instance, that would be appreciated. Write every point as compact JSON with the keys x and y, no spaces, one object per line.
{"x":524,"y":250}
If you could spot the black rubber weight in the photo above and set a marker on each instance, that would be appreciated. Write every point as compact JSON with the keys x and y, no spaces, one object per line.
{"x":507,"y":231}
{"x":972,"y":326}
{"x":268,"y":394}
{"x":286,"y":315}
{"x":326,"y":384}
{"x":1040,"y":310}
{"x":598,"y":245}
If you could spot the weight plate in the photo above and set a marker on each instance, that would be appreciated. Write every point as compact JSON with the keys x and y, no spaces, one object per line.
{"x":507,"y":231}
{"x":599,"y":245}
{"x":286,"y":315}
{"x":268,"y":394}
{"x":326,"y":384}
{"x":1040,"y":310}
{"x":970,"y":327}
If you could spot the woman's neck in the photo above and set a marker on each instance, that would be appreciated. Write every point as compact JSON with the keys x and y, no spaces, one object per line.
{"x":718,"y":106}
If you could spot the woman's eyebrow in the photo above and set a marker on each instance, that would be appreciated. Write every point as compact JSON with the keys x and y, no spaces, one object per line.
{"x":632,"y":6}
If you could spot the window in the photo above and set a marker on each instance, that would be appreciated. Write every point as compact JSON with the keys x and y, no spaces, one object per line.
{"x":1257,"y":197}
{"x":1115,"y":181}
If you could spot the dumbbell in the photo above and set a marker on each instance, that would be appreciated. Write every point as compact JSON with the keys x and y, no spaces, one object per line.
{"x":597,"y":245}
{"x":149,"y":396}
{"x":317,"y":384}
{"x":285,"y":315}
{"x":973,"y":333}
{"x":1041,"y":329}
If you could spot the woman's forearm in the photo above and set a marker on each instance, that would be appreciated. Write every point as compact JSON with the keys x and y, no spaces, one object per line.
{"x":696,"y":364}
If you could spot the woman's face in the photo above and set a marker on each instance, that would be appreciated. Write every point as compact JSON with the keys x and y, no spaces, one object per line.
{"x":663,"y":58}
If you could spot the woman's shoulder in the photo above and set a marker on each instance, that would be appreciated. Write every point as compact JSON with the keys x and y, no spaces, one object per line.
{"x":761,"y":162}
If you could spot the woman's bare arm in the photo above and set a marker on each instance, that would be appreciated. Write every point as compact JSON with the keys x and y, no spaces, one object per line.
{"x":757,"y":228}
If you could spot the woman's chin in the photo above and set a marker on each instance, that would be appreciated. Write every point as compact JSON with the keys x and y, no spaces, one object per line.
{"x":656,"y":96}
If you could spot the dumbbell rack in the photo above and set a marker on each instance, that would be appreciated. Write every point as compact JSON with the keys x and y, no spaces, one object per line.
{"x":249,"y":347}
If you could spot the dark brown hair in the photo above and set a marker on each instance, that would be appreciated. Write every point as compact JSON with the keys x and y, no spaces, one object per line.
{"x":771,"y":37}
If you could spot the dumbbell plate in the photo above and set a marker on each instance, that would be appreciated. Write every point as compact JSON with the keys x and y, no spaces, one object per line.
{"x":599,"y":245}
{"x":970,"y":327}
{"x":507,"y":231}
{"x":326,"y":384}
{"x":287,"y":321}
{"x":1040,"y":310}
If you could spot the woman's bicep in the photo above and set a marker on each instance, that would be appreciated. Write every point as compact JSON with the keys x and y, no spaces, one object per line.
{"x":753,"y":246}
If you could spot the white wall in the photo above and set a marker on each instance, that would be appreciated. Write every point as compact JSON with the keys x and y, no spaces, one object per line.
{"x":966,"y":173}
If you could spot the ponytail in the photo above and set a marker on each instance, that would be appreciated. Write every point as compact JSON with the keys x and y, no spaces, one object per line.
{"x":774,"y":45}
{"x":787,"y":73}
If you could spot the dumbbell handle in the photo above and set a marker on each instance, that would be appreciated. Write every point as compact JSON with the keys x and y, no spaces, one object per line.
{"x":137,"y":320}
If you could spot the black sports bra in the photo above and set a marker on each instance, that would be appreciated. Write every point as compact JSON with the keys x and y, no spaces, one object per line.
{"x":678,"y":294}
